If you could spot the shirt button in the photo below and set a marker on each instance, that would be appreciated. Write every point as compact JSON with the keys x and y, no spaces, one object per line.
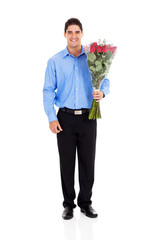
{"x":77,"y":78}
{"x":76,"y":88}
{"x":76,"y":68}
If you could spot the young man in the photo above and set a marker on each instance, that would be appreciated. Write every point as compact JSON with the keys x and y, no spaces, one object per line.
{"x":68,"y":85}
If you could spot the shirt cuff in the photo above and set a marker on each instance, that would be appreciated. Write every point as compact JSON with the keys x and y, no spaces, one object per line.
{"x":105,"y":91}
{"x":52,"y":117}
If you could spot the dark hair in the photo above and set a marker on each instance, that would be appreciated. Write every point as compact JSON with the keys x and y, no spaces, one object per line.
{"x":73,"y":21}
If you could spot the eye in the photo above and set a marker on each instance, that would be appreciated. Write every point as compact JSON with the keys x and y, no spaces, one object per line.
{"x":78,"y":32}
{"x":69,"y":32}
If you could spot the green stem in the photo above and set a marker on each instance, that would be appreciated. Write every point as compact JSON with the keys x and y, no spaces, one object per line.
{"x":95,"y":112}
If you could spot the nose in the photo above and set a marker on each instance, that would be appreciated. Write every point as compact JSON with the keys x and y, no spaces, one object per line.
{"x":73,"y":34}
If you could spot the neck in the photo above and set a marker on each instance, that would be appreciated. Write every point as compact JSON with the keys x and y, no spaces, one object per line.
{"x":75,"y":51}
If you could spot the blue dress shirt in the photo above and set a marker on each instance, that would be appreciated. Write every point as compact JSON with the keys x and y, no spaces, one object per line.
{"x":68,"y":83}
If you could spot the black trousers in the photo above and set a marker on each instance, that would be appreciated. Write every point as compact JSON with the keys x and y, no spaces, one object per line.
{"x":79,"y":133}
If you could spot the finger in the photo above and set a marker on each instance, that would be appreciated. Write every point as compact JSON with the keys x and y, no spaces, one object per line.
{"x":59,"y":126}
{"x":97,"y":97}
{"x":96,"y":93}
{"x":56,"y":129}
{"x":52,"y":130}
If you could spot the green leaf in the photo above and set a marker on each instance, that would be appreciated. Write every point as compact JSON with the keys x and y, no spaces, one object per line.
{"x":97,"y":63}
{"x":106,"y":64}
{"x":92,"y":69}
{"x":98,"y":68}
{"x":108,"y":55}
{"x":91,"y":57}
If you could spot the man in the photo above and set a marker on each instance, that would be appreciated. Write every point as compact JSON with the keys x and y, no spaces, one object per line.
{"x":68,"y":85}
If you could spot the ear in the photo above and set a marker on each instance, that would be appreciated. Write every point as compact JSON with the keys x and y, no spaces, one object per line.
{"x":82,"y":34}
{"x":64,"y":34}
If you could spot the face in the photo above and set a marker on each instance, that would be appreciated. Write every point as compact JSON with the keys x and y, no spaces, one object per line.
{"x":73,"y":35}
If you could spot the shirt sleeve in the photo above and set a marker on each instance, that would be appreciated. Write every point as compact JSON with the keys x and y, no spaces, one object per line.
{"x":105,"y":86}
{"x":49,"y":93}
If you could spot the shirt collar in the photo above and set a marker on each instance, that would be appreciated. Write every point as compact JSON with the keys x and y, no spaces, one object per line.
{"x":66,"y":52}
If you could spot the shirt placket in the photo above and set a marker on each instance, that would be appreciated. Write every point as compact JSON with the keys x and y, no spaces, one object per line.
{"x":76,"y":84}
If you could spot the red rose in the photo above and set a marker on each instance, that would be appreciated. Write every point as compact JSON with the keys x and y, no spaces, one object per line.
{"x":94,"y":44}
{"x":99,"y":48}
{"x":114,"y":48}
{"x":92,"y":49}
{"x":104,"y":48}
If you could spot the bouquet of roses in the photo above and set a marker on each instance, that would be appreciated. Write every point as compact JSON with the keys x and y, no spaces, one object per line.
{"x":99,"y":58}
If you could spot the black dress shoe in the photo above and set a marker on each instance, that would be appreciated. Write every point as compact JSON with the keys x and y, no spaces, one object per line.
{"x":67,"y":213}
{"x":89,"y":212}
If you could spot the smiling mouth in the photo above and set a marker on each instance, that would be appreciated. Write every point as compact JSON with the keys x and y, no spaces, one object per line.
{"x":73,"y":40}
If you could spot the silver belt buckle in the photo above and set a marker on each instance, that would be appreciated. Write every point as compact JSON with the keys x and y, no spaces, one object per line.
{"x":77,"y":112}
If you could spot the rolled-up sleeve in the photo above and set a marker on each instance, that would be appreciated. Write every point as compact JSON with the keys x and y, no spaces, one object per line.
{"x":49,"y":93}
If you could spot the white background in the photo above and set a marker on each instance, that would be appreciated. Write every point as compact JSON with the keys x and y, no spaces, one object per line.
{"x":126,"y":192}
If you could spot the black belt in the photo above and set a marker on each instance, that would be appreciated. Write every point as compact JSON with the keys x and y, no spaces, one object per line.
{"x":75,"y":111}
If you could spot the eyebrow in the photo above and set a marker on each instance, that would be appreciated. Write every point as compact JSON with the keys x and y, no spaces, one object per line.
{"x":72,"y":31}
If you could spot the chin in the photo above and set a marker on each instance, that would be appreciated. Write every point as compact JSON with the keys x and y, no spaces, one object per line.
{"x":74,"y":45}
